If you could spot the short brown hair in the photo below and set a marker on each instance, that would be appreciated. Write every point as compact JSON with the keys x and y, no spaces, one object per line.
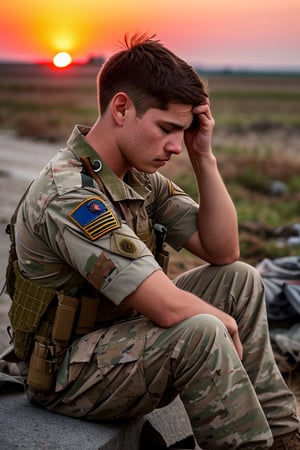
{"x":150,"y":74}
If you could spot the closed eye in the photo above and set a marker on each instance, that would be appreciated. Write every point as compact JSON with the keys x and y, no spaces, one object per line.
{"x":170,"y":127}
{"x":165,"y":130}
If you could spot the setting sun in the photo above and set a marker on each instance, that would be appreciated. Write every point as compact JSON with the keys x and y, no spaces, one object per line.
{"x":62,"y":59}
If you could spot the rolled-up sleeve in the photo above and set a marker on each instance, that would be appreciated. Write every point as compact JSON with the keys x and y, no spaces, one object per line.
{"x":127,"y":273}
{"x":176,"y":210}
{"x":125,"y":279}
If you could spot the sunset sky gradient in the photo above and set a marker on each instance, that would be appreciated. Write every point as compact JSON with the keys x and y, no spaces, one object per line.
{"x":211,"y":33}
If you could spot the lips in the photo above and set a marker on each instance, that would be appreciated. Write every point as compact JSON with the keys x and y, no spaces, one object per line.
{"x":163,"y":160}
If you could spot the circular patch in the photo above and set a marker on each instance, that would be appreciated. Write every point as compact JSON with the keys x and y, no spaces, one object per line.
{"x":127,"y":246}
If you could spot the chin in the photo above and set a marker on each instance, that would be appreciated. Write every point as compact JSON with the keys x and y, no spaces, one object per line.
{"x":152,"y":170}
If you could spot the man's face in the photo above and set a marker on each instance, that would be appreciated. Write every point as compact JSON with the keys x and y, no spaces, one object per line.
{"x":149,"y":141}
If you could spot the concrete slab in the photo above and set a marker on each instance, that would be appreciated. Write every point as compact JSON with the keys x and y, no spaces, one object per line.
{"x":26,"y":426}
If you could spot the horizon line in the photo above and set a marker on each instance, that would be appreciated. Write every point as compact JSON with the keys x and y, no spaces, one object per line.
{"x":97,"y":60}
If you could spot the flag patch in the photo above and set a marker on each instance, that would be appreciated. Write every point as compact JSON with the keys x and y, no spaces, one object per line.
{"x":94,"y":217}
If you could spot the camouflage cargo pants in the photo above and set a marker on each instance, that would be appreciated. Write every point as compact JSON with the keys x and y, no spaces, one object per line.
{"x":134,"y":366}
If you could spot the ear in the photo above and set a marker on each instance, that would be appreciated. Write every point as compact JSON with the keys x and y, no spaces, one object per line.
{"x":120,"y":105}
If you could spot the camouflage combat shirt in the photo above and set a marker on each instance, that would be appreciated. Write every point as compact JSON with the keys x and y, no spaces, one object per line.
{"x":70,"y":229}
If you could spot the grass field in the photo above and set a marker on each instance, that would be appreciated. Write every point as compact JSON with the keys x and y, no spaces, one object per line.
{"x":256,"y":140}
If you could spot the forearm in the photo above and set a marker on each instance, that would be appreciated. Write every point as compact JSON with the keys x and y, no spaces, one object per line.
{"x":165,"y":304}
{"x":218,"y":226}
{"x":217,"y":238}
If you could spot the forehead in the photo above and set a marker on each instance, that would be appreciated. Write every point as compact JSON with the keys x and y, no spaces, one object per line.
{"x":177,"y":113}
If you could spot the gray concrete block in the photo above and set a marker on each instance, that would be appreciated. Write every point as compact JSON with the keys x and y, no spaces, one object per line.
{"x":26,"y":426}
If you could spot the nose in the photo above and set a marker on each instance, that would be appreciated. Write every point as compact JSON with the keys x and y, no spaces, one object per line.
{"x":174,"y":143}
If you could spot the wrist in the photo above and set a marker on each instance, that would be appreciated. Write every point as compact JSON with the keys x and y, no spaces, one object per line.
{"x":207,"y":159}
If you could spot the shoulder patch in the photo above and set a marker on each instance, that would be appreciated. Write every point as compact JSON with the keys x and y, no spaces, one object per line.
{"x":94,"y":217}
{"x":174,"y":189}
{"x":126,"y":245}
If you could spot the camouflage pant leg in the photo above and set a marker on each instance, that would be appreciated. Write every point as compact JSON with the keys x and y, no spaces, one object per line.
{"x":237,"y":289}
{"x":133,"y":367}
{"x":215,"y":389}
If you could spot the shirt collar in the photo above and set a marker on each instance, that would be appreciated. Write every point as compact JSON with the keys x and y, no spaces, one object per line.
{"x":134,"y":189}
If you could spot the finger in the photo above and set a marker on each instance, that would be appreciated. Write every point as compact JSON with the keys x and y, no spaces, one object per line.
{"x":200,"y":109}
{"x":204,"y":110}
{"x":238,"y":345}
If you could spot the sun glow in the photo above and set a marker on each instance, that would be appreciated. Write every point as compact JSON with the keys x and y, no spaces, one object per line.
{"x":62,"y":59}
{"x":203,"y":33}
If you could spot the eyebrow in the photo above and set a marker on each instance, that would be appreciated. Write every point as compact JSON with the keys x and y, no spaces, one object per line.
{"x":172,"y":125}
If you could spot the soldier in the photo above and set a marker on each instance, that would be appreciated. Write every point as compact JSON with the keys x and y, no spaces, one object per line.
{"x":101,"y":330}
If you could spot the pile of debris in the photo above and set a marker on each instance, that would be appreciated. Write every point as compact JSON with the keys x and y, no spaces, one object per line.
{"x":281,"y":277}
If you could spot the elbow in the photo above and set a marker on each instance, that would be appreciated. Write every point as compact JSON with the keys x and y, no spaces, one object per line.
{"x":236,"y":254}
{"x":165,"y":322}
{"x":233,"y":257}
{"x":229,"y":258}
{"x":168,"y":320}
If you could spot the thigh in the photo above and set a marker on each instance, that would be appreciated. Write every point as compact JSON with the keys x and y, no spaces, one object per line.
{"x":107,"y":375}
{"x":228,"y":287}
{"x":128,"y":369}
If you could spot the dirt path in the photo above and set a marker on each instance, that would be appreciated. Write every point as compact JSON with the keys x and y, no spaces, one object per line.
{"x":20,"y":161}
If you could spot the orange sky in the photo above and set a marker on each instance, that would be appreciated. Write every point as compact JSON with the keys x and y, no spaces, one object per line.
{"x":231,"y":33}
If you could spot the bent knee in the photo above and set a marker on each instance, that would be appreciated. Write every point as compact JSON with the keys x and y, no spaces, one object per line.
{"x":244,"y":268}
{"x":244,"y":275}
{"x":203,"y":335}
{"x":204,"y":322}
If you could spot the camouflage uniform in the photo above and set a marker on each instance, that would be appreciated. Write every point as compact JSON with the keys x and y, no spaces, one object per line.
{"x":71,"y":231}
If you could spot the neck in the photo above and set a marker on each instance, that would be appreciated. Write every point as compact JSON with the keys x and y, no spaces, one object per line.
{"x":105,"y":145}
